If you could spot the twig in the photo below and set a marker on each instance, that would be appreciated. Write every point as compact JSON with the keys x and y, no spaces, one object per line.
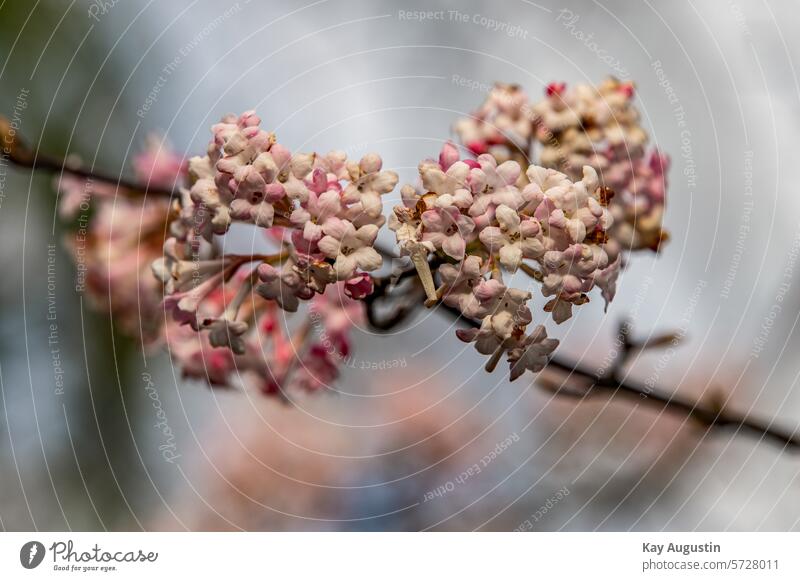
{"x":714,"y":416}
{"x":21,"y":155}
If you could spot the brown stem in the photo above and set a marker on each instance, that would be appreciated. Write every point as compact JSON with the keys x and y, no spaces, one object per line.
{"x":21,"y":155}
{"x":713,"y":416}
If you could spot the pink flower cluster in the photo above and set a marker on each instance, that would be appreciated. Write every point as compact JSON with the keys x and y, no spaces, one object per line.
{"x":600,"y":126}
{"x":326,"y":211}
{"x":472,"y":220}
{"x":117,"y":234}
{"x":503,"y":125}
{"x":270,"y":359}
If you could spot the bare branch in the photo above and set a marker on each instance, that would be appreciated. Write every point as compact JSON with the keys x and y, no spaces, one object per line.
{"x":712,"y":415}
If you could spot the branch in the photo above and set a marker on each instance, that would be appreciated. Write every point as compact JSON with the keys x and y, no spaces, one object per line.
{"x":21,"y":155}
{"x":712,"y":416}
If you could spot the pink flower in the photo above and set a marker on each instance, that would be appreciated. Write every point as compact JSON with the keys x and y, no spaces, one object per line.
{"x":508,"y":315}
{"x":284,"y":287}
{"x":448,"y":156}
{"x":319,"y":370}
{"x":311,"y":216}
{"x":531,"y":352}
{"x":606,"y":279}
{"x":459,"y":282}
{"x":447,"y":229}
{"x":503,"y":125}
{"x":494,"y":185}
{"x":197,"y":359}
{"x":334,"y":164}
{"x":369,"y":183}
{"x":158,"y":165}
{"x":224,"y":332}
{"x":338,"y":314}
{"x":444,"y":182}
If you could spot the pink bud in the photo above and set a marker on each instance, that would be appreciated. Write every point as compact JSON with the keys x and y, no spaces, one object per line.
{"x":477,"y":147}
{"x":359,"y":286}
{"x":555,"y":89}
{"x":370,"y":163}
{"x":448,"y":156}
{"x":627,"y":89}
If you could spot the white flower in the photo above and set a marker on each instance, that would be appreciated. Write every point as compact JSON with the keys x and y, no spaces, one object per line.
{"x":369,"y":184}
{"x":514,"y":239}
{"x":352,"y":249}
{"x":575,"y":210}
{"x":459,"y":283}
{"x":450,"y":186}
{"x":509,"y":313}
{"x":210,"y":207}
{"x":493,"y":185}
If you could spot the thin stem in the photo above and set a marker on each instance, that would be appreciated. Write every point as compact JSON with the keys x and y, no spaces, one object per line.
{"x":21,"y":155}
{"x":709,"y":416}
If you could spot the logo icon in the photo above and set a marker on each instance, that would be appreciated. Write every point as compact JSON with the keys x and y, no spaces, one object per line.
{"x":31,"y":554}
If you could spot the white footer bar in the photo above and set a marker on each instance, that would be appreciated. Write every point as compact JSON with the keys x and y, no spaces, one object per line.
{"x":401,"y":556}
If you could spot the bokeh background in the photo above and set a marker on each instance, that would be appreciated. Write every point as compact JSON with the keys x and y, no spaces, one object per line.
{"x":718,"y":88}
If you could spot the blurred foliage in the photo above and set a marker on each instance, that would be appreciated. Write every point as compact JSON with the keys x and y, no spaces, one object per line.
{"x":51,"y":49}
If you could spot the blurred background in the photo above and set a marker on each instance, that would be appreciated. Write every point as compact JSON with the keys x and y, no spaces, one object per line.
{"x":718,"y":89}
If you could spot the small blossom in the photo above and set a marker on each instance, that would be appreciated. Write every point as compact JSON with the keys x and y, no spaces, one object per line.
{"x":446,"y":229}
{"x":226,"y":333}
{"x":284,"y":287}
{"x":448,"y":185}
{"x":459,"y":284}
{"x":531,"y":352}
{"x":494,"y":185}
{"x":514,"y":238}
{"x":503,"y":125}
{"x":508,"y":315}
{"x":368,"y":184}
{"x":312,"y":215}
{"x":159,"y":165}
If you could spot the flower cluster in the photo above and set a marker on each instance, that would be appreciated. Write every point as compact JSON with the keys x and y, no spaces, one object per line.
{"x":267,"y":358}
{"x":324,"y":210}
{"x":503,"y":125}
{"x":118,"y":233}
{"x":583,"y":126}
{"x":471,"y":219}
{"x":599,"y":126}
{"x":329,"y":208}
